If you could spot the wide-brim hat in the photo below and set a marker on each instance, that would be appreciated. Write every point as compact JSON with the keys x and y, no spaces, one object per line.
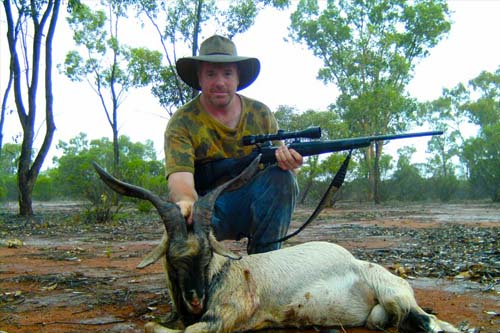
{"x":218,"y":49}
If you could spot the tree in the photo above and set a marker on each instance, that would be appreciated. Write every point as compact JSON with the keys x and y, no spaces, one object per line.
{"x":406,"y":183}
{"x":482,"y":153}
{"x":184,"y":23}
{"x":314,"y":166}
{"x":369,"y":49}
{"x":446,"y":114}
{"x":27,"y":15}
{"x":75,"y":177}
{"x":110,"y":68}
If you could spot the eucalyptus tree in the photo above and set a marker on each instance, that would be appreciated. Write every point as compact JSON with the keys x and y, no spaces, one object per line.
{"x":110,"y":67}
{"x":407,"y":183}
{"x":369,"y":49}
{"x":315,"y":167}
{"x":482,"y":153}
{"x":180,"y":24}
{"x":31,"y":28}
{"x":446,"y":113}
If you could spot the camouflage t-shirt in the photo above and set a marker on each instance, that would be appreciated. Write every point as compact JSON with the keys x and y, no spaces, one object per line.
{"x":192,"y":135}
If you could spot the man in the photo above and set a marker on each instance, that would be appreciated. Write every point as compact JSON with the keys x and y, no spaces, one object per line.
{"x":211,"y":127}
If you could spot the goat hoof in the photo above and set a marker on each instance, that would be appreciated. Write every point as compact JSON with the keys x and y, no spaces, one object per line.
{"x":149,"y":328}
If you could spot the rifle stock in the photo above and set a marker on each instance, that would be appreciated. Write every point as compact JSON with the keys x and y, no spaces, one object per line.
{"x":208,"y":174}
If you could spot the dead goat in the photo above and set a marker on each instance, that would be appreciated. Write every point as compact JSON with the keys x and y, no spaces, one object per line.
{"x":312,"y":284}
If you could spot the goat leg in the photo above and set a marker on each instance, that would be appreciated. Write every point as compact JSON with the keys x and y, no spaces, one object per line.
{"x":201,"y":327}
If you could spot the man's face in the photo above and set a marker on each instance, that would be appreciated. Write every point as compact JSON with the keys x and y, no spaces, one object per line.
{"x":218,"y":82}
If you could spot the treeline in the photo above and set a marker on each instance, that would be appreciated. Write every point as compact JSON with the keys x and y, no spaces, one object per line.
{"x":456,"y":168}
{"x":368,"y":50}
{"x":73,"y":177}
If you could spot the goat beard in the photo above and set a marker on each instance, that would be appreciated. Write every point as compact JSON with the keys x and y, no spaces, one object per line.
{"x":194,"y":306}
{"x":180,"y":303}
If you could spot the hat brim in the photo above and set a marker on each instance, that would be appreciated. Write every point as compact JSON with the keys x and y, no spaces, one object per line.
{"x":187,"y":68}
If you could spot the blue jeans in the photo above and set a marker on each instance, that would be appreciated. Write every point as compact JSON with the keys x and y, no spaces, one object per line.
{"x":260,"y":210}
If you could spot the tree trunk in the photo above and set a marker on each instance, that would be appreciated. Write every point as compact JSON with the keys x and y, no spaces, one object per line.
{"x":196,"y":32}
{"x":116,"y":151}
{"x":25,"y":193}
{"x":376,"y":173}
{"x":371,"y":177}
{"x":305,"y":191}
{"x":28,"y":172}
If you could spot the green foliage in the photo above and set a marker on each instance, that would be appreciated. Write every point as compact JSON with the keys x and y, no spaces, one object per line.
{"x":8,"y":188}
{"x":445,"y":186}
{"x":89,"y":28}
{"x":111,"y":68}
{"x":482,"y":154}
{"x":446,"y":114}
{"x":315,"y":167}
{"x":169,"y":90}
{"x":44,"y":188}
{"x":76,"y":177}
{"x":3,"y":188}
{"x":406,"y":183}
{"x":240,"y":16}
{"x":9,"y":160}
{"x":369,"y":45}
{"x":101,"y":211}
{"x":143,"y":65}
{"x":144,"y":206}
{"x":107,"y":61}
{"x":180,"y":24}
{"x":369,"y":50}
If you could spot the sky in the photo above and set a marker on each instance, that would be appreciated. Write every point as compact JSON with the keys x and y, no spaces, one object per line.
{"x":287,"y":77}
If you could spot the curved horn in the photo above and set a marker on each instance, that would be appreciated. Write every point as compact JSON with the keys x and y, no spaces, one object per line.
{"x":203,"y":208}
{"x":169,"y":212}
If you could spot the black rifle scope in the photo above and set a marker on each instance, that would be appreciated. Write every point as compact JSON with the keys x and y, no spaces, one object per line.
{"x":311,"y":133}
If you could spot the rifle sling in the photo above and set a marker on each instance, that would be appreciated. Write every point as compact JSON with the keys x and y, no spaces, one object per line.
{"x":334,"y":186}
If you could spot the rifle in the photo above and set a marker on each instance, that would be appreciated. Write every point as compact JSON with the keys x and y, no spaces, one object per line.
{"x":208,"y":174}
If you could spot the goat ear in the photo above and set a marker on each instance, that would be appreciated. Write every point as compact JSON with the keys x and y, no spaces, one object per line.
{"x":219,"y":249}
{"x":158,"y":252}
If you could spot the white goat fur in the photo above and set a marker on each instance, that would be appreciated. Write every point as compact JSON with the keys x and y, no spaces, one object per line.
{"x":313,"y":284}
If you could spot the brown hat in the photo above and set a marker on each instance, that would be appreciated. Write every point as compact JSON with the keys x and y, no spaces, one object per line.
{"x":222,"y":50}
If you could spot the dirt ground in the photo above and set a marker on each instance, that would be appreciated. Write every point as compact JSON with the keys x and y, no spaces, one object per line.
{"x":60,"y":273}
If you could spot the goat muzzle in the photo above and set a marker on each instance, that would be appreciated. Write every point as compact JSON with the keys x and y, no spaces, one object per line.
{"x":196,"y":305}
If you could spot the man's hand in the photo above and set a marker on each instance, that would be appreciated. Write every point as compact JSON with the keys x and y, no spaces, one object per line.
{"x":186,"y":207}
{"x":288,"y":159}
{"x":182,"y":192}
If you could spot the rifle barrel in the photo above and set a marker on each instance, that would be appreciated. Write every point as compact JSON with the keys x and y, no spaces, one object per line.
{"x":206,"y":174}
{"x":401,"y":136}
{"x":321,"y":147}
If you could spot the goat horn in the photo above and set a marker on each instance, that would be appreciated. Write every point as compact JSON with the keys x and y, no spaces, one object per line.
{"x":203,"y":208}
{"x":169,"y":212}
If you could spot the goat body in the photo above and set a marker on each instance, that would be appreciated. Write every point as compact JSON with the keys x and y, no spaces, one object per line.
{"x":312,"y":284}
